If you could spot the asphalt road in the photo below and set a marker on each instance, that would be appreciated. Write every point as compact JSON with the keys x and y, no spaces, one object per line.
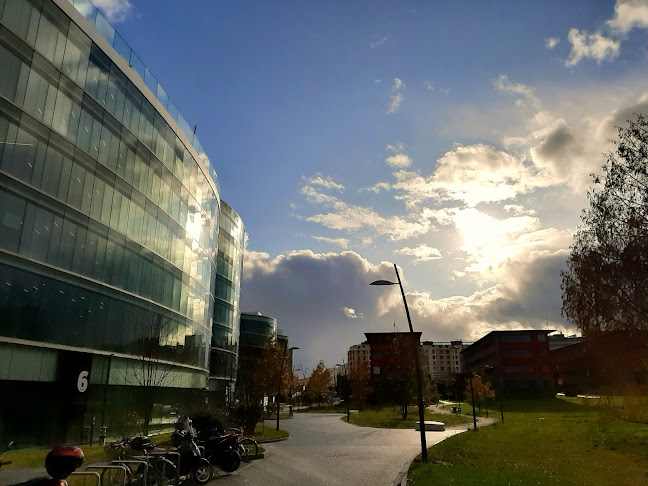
{"x":323,"y":450}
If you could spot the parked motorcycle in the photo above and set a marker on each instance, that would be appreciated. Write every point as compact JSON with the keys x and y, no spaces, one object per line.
{"x":192,"y":463}
{"x":222,"y":451}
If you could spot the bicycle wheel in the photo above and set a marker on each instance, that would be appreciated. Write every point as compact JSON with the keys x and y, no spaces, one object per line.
{"x":162,"y":472}
{"x":248,"y":449}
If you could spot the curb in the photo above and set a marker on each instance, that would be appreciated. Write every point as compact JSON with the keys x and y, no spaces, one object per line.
{"x":268,"y":441}
{"x":402,"y":474}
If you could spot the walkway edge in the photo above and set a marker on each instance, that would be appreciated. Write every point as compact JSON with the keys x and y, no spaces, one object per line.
{"x":403,"y":472}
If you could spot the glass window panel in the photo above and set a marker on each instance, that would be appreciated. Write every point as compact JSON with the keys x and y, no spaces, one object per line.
{"x":123,"y":218}
{"x":120,"y":268}
{"x":55,"y":240}
{"x":51,"y":36}
{"x":132,"y":270}
{"x":12,"y":214}
{"x":84,"y":137}
{"x":24,"y":153}
{"x":104,"y":28}
{"x":11,"y":72}
{"x":122,"y":48}
{"x":89,"y":253}
{"x":41,"y":233}
{"x":106,"y":208}
{"x":77,"y":54}
{"x":67,"y":113}
{"x":75,"y":192}
{"x":88,"y":188}
{"x":97,"y":199}
{"x":21,"y":17}
{"x":116,"y":209}
{"x":79,"y":249}
{"x":118,"y":259}
{"x":64,"y":184}
{"x":109,"y":262}
{"x":68,"y":242}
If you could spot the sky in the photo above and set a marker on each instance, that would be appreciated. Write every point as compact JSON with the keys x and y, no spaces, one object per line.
{"x":454,"y":139}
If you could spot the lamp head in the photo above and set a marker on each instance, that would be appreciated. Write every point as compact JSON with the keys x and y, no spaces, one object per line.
{"x":382,"y":282}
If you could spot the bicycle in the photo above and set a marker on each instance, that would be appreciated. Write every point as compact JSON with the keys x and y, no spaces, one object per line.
{"x":147,"y":470}
{"x":248,"y":448}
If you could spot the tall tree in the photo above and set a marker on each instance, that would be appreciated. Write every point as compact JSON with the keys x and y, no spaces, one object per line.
{"x":318,"y":384}
{"x":605,"y":287}
{"x":482,"y":390}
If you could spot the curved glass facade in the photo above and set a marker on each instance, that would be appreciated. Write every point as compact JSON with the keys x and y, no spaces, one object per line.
{"x":108,"y":217}
{"x":227,"y":314}
{"x":256,"y":329}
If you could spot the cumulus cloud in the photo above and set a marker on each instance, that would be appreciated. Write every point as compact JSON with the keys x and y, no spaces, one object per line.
{"x":379,"y":42}
{"x":396,"y":97}
{"x":341,"y":242}
{"x":593,"y":46}
{"x":629,"y":14}
{"x":351,"y":313}
{"x":429,"y":85}
{"x":306,"y":291}
{"x":421,"y":253}
{"x":378,"y":187}
{"x":115,"y":10}
{"x":470,"y":174}
{"x":327,"y":182}
{"x":399,"y":160}
{"x":518,"y":209}
{"x":551,"y":42}
{"x":351,"y":218}
{"x":558,"y":150}
{"x":503,"y":84}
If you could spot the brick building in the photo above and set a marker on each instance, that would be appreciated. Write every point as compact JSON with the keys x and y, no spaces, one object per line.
{"x":520,"y":359}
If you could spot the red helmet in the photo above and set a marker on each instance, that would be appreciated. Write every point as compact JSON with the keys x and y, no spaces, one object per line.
{"x":63,"y":461}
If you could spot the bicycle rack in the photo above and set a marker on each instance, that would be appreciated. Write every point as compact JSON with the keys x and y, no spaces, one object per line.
{"x":104,"y":468}
{"x":86,"y":473}
{"x":134,"y":461}
{"x":175,"y":461}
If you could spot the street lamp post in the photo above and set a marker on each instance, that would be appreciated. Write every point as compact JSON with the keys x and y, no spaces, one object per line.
{"x":419,"y":380}
{"x":472,"y":393}
{"x":283,"y":360}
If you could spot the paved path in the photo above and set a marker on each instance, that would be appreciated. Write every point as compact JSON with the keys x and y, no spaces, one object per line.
{"x":323,"y":450}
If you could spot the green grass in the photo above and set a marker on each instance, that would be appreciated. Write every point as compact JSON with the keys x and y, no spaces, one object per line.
{"x":266,"y":433}
{"x":633,"y":408}
{"x":541,"y":442}
{"x":387,"y":418}
{"x":35,"y":457}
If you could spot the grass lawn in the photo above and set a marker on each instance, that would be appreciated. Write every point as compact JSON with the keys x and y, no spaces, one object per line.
{"x":266,"y":433}
{"x":541,"y":442}
{"x":35,"y":457}
{"x":390,"y":418}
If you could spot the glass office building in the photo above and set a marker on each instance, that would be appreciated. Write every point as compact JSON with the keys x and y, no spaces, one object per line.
{"x":227,"y":314}
{"x":111,"y":232}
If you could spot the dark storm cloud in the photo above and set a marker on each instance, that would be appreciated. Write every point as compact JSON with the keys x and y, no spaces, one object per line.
{"x":307,"y":293}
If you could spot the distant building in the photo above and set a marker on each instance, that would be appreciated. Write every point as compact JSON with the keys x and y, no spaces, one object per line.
{"x":520,"y":359}
{"x":608,"y":362}
{"x":559,"y":340}
{"x":390,"y":353}
{"x":359,"y":357}
{"x":442,"y":360}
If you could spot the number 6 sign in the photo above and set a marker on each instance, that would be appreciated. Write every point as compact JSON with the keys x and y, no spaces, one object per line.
{"x":82,"y":381}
